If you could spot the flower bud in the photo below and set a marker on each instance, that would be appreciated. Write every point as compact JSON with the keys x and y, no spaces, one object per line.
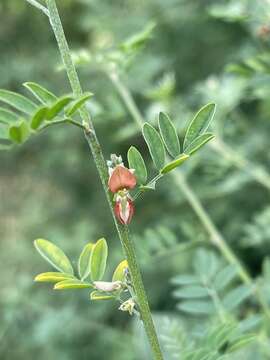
{"x":128,"y":306}
{"x":121,"y":178}
{"x":124,"y":209}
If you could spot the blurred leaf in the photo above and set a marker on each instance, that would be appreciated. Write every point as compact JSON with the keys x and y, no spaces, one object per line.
{"x":169,"y":134}
{"x":53,"y":277}
{"x":58,"y":106}
{"x":7,"y":116}
{"x":241,"y":342}
{"x":17,"y":101}
{"x":38,"y":117}
{"x":137,"y":41}
{"x":54,"y":255}
{"x":155,"y":145}
{"x":199,"y":124}
{"x":199,"y":142}
{"x":19,"y":133}
{"x":185,"y":280}
{"x":98,"y":259}
{"x":196,"y":307}
{"x":4,"y":132}
{"x":136,"y":162}
{"x":98,"y":295}
{"x":224,"y":277}
{"x":71,"y":284}
{"x":43,"y":95}
{"x":189,"y":292}
{"x":76,"y":104}
{"x":84,"y":261}
{"x":236,"y":296}
{"x":174,"y":164}
{"x":119,"y":272}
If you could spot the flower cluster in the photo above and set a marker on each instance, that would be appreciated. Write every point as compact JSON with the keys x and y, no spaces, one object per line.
{"x":121,"y":180}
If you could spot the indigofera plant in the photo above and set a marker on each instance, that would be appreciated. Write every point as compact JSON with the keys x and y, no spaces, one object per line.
{"x":24,"y":117}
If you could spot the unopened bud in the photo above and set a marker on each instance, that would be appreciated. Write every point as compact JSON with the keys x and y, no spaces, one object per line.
{"x":107,"y":285}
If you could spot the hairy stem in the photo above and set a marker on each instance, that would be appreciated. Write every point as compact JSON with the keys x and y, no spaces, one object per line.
{"x":215,"y":236}
{"x":96,"y":150}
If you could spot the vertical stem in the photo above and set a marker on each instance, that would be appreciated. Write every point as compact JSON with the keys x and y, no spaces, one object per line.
{"x":216,"y":237}
{"x":96,"y":150}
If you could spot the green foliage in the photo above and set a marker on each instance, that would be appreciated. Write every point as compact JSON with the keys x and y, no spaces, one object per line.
{"x":98,"y":260}
{"x":136,"y":162}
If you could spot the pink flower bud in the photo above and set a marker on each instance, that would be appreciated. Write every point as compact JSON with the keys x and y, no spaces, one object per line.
{"x":124,"y":209}
{"x":121,"y":178}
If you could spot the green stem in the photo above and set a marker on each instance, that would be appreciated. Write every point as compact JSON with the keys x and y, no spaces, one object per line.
{"x":216,"y":237}
{"x":100,"y":162}
{"x":63,"y":121}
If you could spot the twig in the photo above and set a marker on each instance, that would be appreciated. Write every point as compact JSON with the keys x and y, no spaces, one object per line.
{"x":39,"y":6}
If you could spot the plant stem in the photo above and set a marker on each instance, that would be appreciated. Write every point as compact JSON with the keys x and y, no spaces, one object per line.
{"x":216,"y":237}
{"x":62,"y":121}
{"x":96,"y":150}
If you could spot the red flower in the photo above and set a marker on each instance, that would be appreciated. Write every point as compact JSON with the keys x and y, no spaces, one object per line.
{"x":124,"y":209}
{"x":121,"y":178}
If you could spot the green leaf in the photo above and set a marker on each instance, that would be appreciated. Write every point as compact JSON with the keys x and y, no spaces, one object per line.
{"x":196,"y":307}
{"x":174,"y":164}
{"x":155,"y":145}
{"x":136,"y":162}
{"x":199,"y":124}
{"x":58,"y":106}
{"x":39,"y":117}
{"x":235,"y":297}
{"x":98,"y":295}
{"x":119,"y":272}
{"x":43,"y":95}
{"x":17,"y":101}
{"x":224,"y":277}
{"x":98,"y":259}
{"x":19,"y":133}
{"x":53,"y":277}
{"x":199,"y":142}
{"x":7,"y":116}
{"x":241,"y":342}
{"x":71,"y":284}
{"x":54,"y":255}
{"x":76,"y":104}
{"x":191,"y":292}
{"x":184,"y":280}
{"x":84,"y":261}
{"x":169,"y":134}
{"x":4,"y":132}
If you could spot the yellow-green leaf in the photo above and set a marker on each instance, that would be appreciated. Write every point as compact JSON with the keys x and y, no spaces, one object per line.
{"x":42,"y":94}
{"x":54,"y":255}
{"x":98,"y":259}
{"x":84,"y":261}
{"x":58,"y":106}
{"x":174,"y":164}
{"x":71,"y":284}
{"x":155,"y":145}
{"x":119,"y":273}
{"x":17,"y":101}
{"x":7,"y":116}
{"x":38,"y":117}
{"x":199,"y":142}
{"x":136,"y":162}
{"x":76,"y":104}
{"x":20,"y":132}
{"x":53,"y":277}
{"x":97,"y":295}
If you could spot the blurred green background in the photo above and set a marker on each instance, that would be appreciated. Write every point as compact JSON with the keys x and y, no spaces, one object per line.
{"x":199,"y":51}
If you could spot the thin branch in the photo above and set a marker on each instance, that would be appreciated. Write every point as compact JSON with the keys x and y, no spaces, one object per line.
{"x":63,"y":121}
{"x":39,"y":6}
